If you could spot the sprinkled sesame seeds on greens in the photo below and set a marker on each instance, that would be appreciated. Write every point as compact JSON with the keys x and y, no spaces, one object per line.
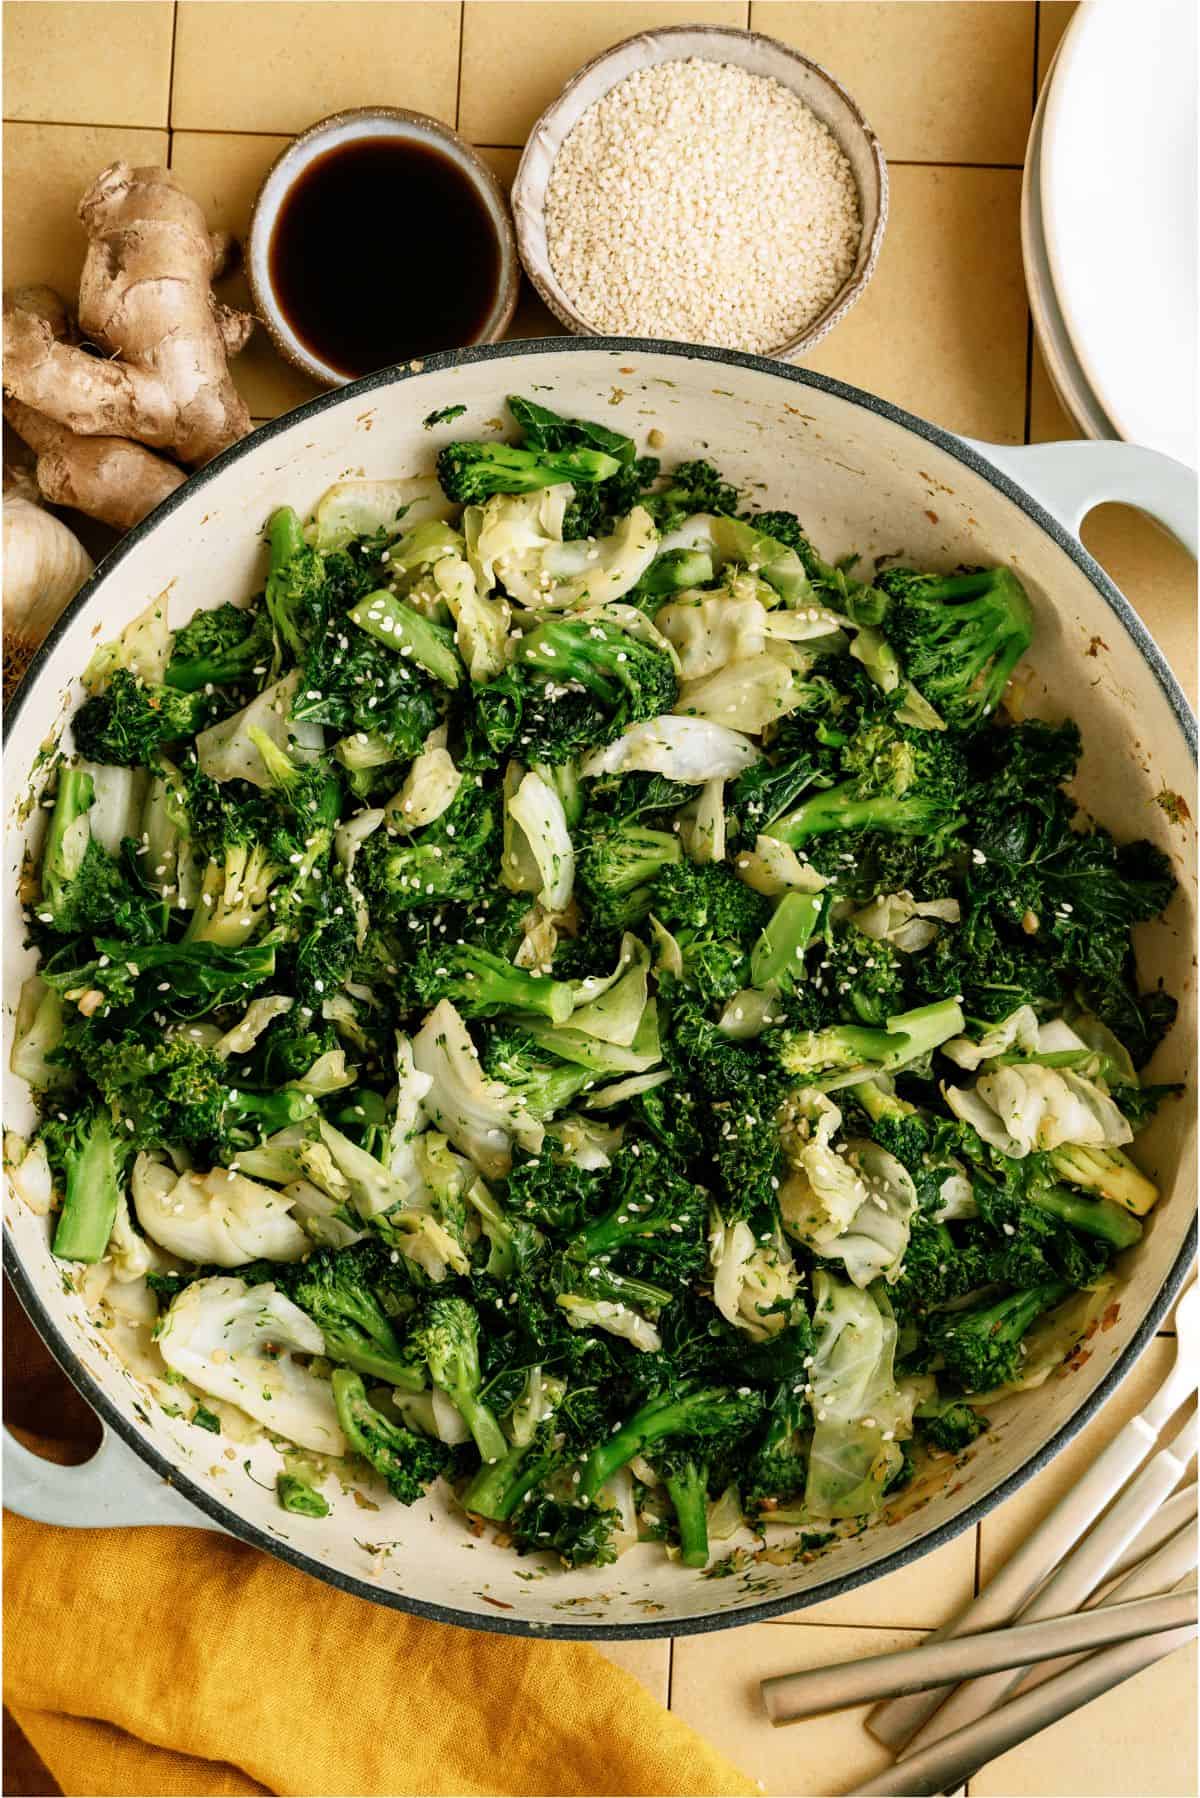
{"x":569,"y":992}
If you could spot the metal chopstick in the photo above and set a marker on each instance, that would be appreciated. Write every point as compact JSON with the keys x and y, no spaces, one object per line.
{"x":1160,"y":1572}
{"x":1088,"y":1563}
{"x":791,"y":1696}
{"x":944,"y":1765}
{"x":1179,"y":1509}
{"x":897,"y":1721}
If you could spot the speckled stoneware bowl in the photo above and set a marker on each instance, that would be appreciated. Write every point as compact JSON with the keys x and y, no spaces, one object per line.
{"x":821,"y":93}
{"x":341,"y":128}
{"x":862,"y":475}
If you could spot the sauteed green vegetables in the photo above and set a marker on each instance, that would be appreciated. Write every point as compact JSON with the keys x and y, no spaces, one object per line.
{"x":568,"y":991}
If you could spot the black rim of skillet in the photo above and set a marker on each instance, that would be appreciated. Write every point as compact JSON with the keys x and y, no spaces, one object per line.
{"x":444,"y":362}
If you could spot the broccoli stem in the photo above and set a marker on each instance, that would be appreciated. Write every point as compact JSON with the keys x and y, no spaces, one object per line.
{"x":285,"y":538}
{"x":673,"y":572}
{"x":67,"y":838}
{"x":778,"y":955}
{"x":924,"y":1030}
{"x":1094,"y":1217}
{"x":398,"y":626}
{"x":981,"y":1348}
{"x":299,"y":1497}
{"x":687,"y":1487}
{"x":93,"y":1194}
{"x":662,"y":1416}
{"x":1107,"y":1172}
{"x":499,"y":1486}
{"x":840,"y":808}
{"x":879,"y":1102}
{"x":490,"y":1439}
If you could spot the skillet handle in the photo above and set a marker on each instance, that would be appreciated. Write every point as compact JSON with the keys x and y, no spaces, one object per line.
{"x":114,"y":1490}
{"x":1070,"y":478}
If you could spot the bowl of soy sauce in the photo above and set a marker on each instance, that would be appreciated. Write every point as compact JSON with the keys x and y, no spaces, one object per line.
{"x":378,"y":236}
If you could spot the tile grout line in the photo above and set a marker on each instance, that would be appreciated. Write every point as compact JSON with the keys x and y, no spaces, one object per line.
{"x":462,"y":32}
{"x":171,"y":81}
{"x":1037,"y":35}
{"x":894,"y":162}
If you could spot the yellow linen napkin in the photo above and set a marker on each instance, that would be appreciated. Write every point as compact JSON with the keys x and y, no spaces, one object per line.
{"x":172,"y":1661}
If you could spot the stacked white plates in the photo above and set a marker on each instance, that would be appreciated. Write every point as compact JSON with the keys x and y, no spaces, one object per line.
{"x":1109,"y":223}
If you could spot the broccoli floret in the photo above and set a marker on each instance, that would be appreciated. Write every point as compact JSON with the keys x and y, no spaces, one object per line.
{"x":176,"y":1089}
{"x":221,"y":648}
{"x":83,"y":889}
{"x":406,"y":1461}
{"x":938,"y":1268}
{"x":701,"y":1421}
{"x":1109,"y":1174}
{"x":470,"y":473}
{"x":448,"y":1340}
{"x":694,"y":486}
{"x":777,"y":1470}
{"x":585,"y":683}
{"x":333,"y":1286}
{"x":805,"y":1055}
{"x":481,"y":985}
{"x":848,"y":975}
{"x":545,"y":1086}
{"x":616,"y":863}
{"x":674,"y":571}
{"x":91,"y":1158}
{"x":981,"y":1349}
{"x":960,"y":636}
{"x":653,"y":1211}
{"x":715,"y":918}
{"x":454,"y":858}
{"x":129,"y":722}
{"x":709,"y":902}
{"x":903,"y":782}
{"x":952,"y":1427}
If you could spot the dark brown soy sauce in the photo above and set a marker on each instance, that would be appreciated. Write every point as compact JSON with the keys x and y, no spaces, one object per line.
{"x":383,"y":250}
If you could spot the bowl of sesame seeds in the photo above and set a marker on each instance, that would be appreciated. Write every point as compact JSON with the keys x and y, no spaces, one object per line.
{"x":702,"y":184}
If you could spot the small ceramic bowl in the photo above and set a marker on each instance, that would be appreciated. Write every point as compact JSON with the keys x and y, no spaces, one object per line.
{"x":750,"y":50}
{"x":341,"y":128}
{"x":716,"y":44}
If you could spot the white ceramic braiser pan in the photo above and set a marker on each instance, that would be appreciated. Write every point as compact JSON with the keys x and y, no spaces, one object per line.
{"x":861,"y":475}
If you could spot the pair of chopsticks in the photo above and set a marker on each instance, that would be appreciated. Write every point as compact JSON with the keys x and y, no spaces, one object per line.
{"x":945,"y":1730}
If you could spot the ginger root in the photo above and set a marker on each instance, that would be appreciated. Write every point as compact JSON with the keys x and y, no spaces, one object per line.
{"x":107,"y":477}
{"x":145,"y":300}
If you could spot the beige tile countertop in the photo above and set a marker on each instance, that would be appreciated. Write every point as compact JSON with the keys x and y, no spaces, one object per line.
{"x":218,"y":87}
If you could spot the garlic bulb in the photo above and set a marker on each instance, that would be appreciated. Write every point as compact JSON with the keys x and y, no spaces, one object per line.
{"x":44,"y":566}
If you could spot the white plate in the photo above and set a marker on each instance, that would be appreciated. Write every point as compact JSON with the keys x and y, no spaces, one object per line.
{"x":1062,"y":364}
{"x":1118,"y":193}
